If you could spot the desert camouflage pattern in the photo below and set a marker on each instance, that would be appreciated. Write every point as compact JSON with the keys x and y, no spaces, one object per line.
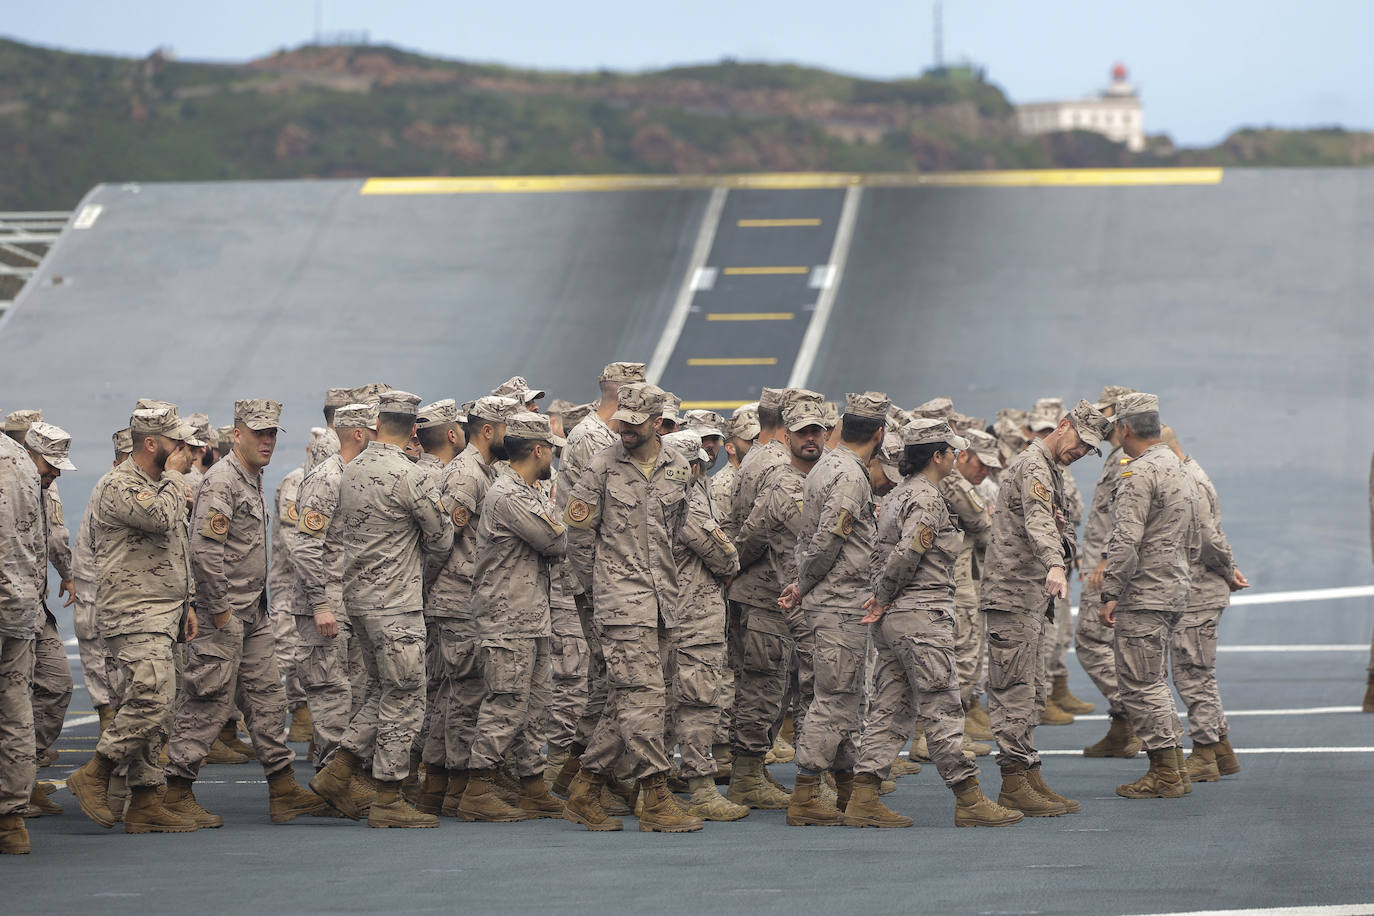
{"x":1027,"y":537}
{"x":837,"y":537}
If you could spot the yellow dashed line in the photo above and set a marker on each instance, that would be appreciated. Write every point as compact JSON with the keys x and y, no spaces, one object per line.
{"x":750,"y":316}
{"x":764,"y":271}
{"x":712,"y":405}
{"x":733,"y":361}
{"x":777,"y":223}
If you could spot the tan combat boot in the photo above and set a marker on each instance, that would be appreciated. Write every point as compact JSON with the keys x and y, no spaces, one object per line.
{"x":453,"y":795}
{"x":977,"y":725}
{"x":535,"y":799}
{"x":229,"y":737}
{"x":724,"y":759}
{"x":302,"y":729}
{"x":106,"y":713}
{"x":706,"y":802}
{"x":1181,"y":766}
{"x":1369,"y":694}
{"x":481,"y":802}
{"x":389,"y":809}
{"x":1202,"y":763}
{"x":1065,"y":700}
{"x":1036,"y":778}
{"x":432,"y":792}
{"x":334,"y":783}
{"x":47,"y":758}
{"x":788,"y":731}
{"x":553,"y":762}
{"x":146,"y":814}
{"x":584,"y":803}
{"x":920,"y":749}
{"x":410,"y":786}
{"x":117,"y":796}
{"x":1227,"y":764}
{"x":662,"y":812}
{"x":1120,"y":741}
{"x":563,"y":782}
{"x":975,"y":748}
{"x":364,"y":789}
{"x":623,"y":794}
{"x":844,"y":788}
{"x":748,"y":786}
{"x":1019,"y":794}
{"x":220,"y":753}
{"x":904,"y":766}
{"x":287,"y":800}
{"x":1053,"y":715}
{"x":90,"y":785}
{"x":782,"y":751}
{"x":181,"y":800}
{"x":809,"y":807}
{"x":1161,"y":780}
{"x":974,"y":809}
{"x":865,"y":810}
{"x":14,"y":836}
{"x":40,"y":803}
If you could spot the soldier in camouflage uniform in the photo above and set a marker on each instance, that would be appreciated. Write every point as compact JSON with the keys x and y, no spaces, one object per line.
{"x":281,"y":590}
{"x":1153,"y":544}
{"x":1027,"y":573}
{"x":387,"y":518}
{"x":23,"y":576}
{"x":518,"y":542}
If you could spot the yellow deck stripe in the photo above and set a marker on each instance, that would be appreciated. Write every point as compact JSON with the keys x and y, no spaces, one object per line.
{"x":733,"y":361}
{"x":712,"y":405}
{"x":777,"y":223}
{"x":764,"y":271}
{"x":750,"y":316}
{"x":1025,"y":178}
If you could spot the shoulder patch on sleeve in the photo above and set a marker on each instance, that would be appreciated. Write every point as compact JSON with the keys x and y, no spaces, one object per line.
{"x":293,"y":515}
{"x":1040,"y":492}
{"x":845,"y":525}
{"x":143,"y":497}
{"x":924,"y":539}
{"x":216,"y":526}
{"x":800,"y":505}
{"x":724,"y":538}
{"x":460,"y":516}
{"x":557,"y":528}
{"x":975,"y":499}
{"x":577,"y":513}
{"x":314,"y":522}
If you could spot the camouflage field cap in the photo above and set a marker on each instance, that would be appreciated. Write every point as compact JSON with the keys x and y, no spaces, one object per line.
{"x":1092,"y":426}
{"x":576,"y":415}
{"x":1010,"y":439}
{"x":890,"y":456}
{"x":1135,"y":404}
{"x":962,"y":424}
{"x":623,"y":372}
{"x":832,"y":414}
{"x":52,"y":443}
{"x":204,"y":432}
{"x":705,"y":422}
{"x":19,"y":421}
{"x":370,"y":393}
{"x":687,"y":443}
{"x":984,"y":446}
{"x":338,"y":397}
{"x":356,"y":416}
{"x":534,"y":426}
{"x":494,"y":409}
{"x":323,"y":444}
{"x":802,"y":408}
{"x":671,"y":403}
{"x":560,"y":407}
{"x":932,"y":431}
{"x":159,"y":421}
{"x":638,"y":402}
{"x":1110,"y":395}
{"x":771,"y":398}
{"x":225,"y":439}
{"x":258,"y":413}
{"x":151,"y":403}
{"x":398,"y":402}
{"x":123,"y":441}
{"x":1046,"y":414}
{"x":744,"y":423}
{"x":935,"y":407}
{"x":442,"y":411}
{"x":516,"y":387}
{"x":871,"y":405}
{"x":1019,"y":417}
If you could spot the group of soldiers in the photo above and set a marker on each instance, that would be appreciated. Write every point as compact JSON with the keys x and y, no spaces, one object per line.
{"x":467,"y":614}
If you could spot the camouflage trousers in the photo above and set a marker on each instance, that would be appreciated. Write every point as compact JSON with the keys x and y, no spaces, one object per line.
{"x":284,"y":644}
{"x":52,"y":684}
{"x":231,"y":666}
{"x":765,"y":651}
{"x":916,"y":676}
{"x":393,"y":649}
{"x":597,"y":686}
{"x":92,"y":650}
{"x":734,"y":651}
{"x":1058,"y":638}
{"x":18,"y":763}
{"x":1193,"y":651}
{"x":1016,"y":682}
{"x":146,"y":690}
{"x":458,"y":694}
{"x":1093,"y":647}
{"x":828,"y":738}
{"x":569,"y":662}
{"x":1142,"y":645}
{"x":512,"y":716}
{"x":696,"y":675}
{"x":433,"y":662}
{"x":321,"y":665}
{"x":970,"y":645}
{"x":633,"y":719}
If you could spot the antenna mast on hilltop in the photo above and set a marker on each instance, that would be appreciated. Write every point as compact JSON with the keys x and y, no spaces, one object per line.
{"x":939,"y":33}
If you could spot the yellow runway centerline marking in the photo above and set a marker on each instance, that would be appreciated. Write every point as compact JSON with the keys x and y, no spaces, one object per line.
{"x":750,"y":316}
{"x":733,"y":361}
{"x":712,"y":405}
{"x":777,"y":223}
{"x":763,"y":271}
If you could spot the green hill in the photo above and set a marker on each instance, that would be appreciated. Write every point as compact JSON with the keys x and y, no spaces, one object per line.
{"x":69,"y":121}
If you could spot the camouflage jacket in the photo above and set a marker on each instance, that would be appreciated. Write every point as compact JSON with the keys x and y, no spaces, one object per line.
{"x":316,"y":546}
{"x":229,"y":541}
{"x":58,"y":535}
{"x":1026,"y":539}
{"x":774,"y":525}
{"x":281,"y":584}
{"x":757,"y":583}
{"x":704,"y":557}
{"x":23,"y":551}
{"x":1214,"y":566}
{"x":1154,"y":534}
{"x":518,"y":540}
{"x":838,"y":528}
{"x":463,"y":485}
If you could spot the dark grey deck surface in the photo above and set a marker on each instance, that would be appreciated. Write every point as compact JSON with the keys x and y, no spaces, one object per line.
{"x":1245,"y":306}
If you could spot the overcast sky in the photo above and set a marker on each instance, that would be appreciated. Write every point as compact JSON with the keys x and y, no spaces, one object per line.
{"x":1204,"y":67}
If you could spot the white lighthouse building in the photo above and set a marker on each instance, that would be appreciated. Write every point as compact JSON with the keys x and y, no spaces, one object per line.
{"x":1115,"y":113}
